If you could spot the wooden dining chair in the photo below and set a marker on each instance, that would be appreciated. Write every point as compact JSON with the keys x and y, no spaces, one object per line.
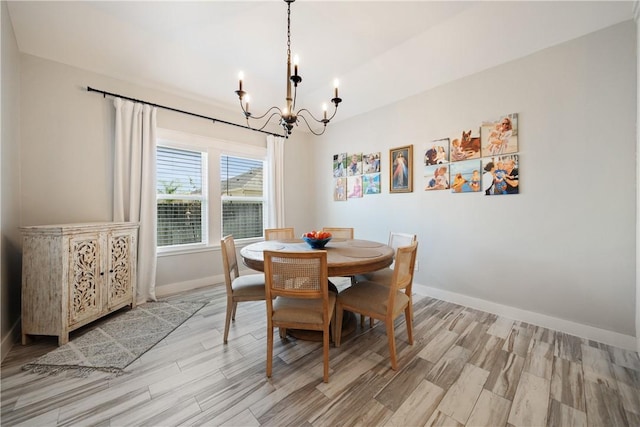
{"x":249,"y":287}
{"x":384,"y":276}
{"x":340,"y":232}
{"x":381,"y":302}
{"x":298,"y":281}
{"x":279,"y":233}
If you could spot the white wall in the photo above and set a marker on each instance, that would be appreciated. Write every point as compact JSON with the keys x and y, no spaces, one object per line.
{"x":10,"y":247}
{"x":636,"y":14}
{"x":67,"y":136}
{"x":564,"y":247}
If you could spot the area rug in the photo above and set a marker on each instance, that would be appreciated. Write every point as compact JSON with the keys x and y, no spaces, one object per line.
{"x":113,"y":343}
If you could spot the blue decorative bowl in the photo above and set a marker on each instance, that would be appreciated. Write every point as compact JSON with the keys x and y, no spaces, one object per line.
{"x":316,"y":243}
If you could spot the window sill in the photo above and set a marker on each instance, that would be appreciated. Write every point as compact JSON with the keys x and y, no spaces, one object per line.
{"x":199,"y":248}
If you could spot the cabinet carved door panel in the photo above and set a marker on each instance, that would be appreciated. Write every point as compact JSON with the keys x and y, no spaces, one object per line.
{"x":73,"y":274}
{"x":85,"y":299}
{"x":120,"y":271}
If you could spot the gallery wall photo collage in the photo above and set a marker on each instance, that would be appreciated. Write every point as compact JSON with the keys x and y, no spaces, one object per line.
{"x":486,"y":160}
{"x":464,"y":163}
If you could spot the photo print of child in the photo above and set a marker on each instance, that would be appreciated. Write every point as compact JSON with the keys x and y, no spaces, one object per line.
{"x":465,"y":176}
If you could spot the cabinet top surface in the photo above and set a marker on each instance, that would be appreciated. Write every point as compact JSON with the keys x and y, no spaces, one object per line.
{"x":85,"y":226}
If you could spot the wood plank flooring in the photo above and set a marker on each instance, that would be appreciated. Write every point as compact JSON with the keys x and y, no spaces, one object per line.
{"x":466,"y":368}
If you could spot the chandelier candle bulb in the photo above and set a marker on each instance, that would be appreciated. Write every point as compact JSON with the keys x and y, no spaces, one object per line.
{"x":296,"y":61}
{"x":246,"y":105}
{"x":335,"y":85}
{"x":240,"y":78}
{"x":324,"y":110}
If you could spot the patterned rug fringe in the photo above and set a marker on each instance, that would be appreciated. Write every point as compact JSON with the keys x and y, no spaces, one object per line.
{"x":77,"y":371}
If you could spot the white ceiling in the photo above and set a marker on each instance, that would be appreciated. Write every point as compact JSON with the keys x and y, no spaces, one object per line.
{"x":382,"y":51}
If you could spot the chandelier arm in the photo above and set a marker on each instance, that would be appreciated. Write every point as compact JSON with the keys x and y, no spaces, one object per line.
{"x":308,"y":126}
{"x":269,"y":119}
{"x":304,"y":110}
{"x":251,"y":116}
{"x":324,"y":120}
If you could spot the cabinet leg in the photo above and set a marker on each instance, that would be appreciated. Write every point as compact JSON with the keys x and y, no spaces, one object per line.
{"x":25,"y":339}
{"x":63,"y":339}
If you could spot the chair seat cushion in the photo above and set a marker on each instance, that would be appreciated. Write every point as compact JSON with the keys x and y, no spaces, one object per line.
{"x":250,"y":285}
{"x":372,"y":297}
{"x":301,"y":310}
{"x":382,"y":277}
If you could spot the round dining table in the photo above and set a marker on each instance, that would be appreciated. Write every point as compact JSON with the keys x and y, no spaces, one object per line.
{"x":345,"y":257}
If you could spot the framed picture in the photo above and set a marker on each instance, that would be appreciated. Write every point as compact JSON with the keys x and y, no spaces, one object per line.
{"x":401,"y":169}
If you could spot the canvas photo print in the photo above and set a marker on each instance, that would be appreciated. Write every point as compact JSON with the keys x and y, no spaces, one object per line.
{"x":340,"y":165}
{"x":436,"y":177}
{"x":465,"y":176}
{"x":437,"y":152}
{"x":354,"y":164}
{"x":371,"y":163}
{"x":354,"y":187}
{"x":340,"y":189}
{"x":465,"y":146}
{"x":501,"y":175}
{"x":371,"y":183}
{"x":499,"y":136}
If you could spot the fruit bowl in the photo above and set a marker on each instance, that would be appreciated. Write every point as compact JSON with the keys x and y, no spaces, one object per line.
{"x":316,"y":243}
{"x":317,"y":240}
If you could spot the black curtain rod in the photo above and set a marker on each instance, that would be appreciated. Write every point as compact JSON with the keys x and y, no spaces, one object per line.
{"x":213,"y":119}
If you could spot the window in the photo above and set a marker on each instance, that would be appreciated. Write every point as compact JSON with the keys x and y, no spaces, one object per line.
{"x":181,"y":188}
{"x":208,"y":188}
{"x":242,"y":190}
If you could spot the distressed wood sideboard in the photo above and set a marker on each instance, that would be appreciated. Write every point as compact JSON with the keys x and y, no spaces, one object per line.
{"x":73,"y":274}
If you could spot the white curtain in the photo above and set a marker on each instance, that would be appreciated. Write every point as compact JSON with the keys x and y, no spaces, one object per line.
{"x":134,"y":185}
{"x":275,"y":157}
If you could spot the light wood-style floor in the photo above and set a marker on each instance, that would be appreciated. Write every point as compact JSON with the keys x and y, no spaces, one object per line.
{"x":466,"y":368}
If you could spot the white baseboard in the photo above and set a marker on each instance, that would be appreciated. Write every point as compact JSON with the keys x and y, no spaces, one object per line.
{"x":189,"y":285}
{"x":615,"y":339}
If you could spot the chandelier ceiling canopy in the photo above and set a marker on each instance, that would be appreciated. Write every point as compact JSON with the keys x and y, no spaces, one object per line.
{"x":289,"y":116}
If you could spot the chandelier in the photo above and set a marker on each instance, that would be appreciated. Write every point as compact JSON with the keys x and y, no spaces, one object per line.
{"x":288,"y":115}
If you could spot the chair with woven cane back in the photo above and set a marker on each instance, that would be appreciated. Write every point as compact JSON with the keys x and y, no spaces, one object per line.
{"x":279,"y":233}
{"x":382,"y":302}
{"x":298,"y":297}
{"x":249,"y":287}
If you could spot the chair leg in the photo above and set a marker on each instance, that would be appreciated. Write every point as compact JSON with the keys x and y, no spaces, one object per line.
{"x":282,"y":332}
{"x":362,"y":318}
{"x":392,"y":345}
{"x":325,"y":353}
{"x":269,"y":348}
{"x":338,"y":335}
{"x":227,"y":321}
{"x":408,"y":317}
{"x":235,"y":306}
{"x":371,"y":322}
